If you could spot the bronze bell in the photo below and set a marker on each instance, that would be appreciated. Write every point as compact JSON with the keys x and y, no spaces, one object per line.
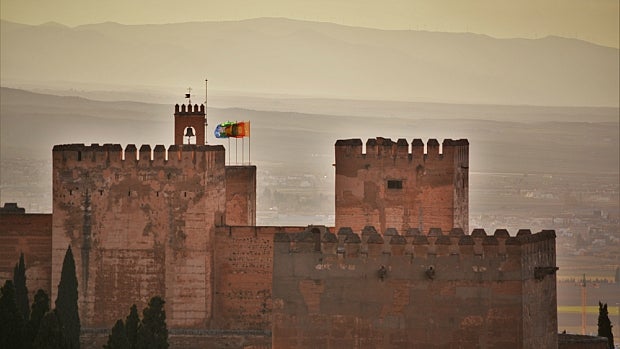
{"x":189,"y":132}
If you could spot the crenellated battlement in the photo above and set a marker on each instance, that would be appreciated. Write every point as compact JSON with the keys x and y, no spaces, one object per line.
{"x":386,"y":148}
{"x":399,"y":261}
{"x":370,"y":243}
{"x":401,"y":184}
{"x":109,"y":154}
{"x":159,"y":206}
{"x":189,"y":110}
{"x":319,"y":254}
{"x":401,"y":284}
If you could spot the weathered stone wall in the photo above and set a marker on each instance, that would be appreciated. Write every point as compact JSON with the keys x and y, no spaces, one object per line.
{"x":192,"y":339}
{"x":221,"y":340}
{"x":145,"y":223}
{"x":435,"y":291}
{"x":32,"y":235}
{"x":241,"y":195}
{"x":391,"y":186}
{"x":140,"y":224}
{"x":540,"y":320}
{"x":576,"y":341}
{"x":243,"y":277}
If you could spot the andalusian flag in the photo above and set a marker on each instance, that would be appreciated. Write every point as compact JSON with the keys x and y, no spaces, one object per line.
{"x":242,"y":129}
{"x":233,"y":129}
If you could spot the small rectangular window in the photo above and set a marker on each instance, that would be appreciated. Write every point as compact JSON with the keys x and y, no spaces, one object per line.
{"x":394,"y":184}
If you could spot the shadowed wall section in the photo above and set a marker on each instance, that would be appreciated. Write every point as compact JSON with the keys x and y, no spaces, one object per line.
{"x":241,"y":195}
{"x":453,"y":290}
{"x":32,"y":235}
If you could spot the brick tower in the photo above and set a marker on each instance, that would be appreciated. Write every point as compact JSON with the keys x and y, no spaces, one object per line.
{"x":395,"y":185}
{"x":193,"y":117}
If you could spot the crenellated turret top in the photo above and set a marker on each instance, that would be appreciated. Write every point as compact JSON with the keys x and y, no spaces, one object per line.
{"x":109,"y":155}
{"x":193,"y":110}
{"x":386,"y":147}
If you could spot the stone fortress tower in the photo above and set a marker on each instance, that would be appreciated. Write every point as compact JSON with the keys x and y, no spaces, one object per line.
{"x":392,"y":186}
{"x":399,"y":269}
{"x":190,"y":117}
{"x":142,"y":222}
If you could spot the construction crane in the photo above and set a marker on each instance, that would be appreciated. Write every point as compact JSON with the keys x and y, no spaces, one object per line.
{"x":583,"y":305}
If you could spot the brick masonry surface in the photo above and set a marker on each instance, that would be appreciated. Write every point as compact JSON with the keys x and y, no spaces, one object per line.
{"x":397,"y":270}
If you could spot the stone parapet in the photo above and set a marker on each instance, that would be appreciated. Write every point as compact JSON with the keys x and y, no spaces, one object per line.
{"x":402,"y":185}
{"x":113,"y":155}
{"x":386,"y":148}
{"x":443,"y":248}
{"x":442,"y":289}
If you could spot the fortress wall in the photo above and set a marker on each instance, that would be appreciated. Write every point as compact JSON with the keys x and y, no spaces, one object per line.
{"x":576,"y":341}
{"x":32,"y":235}
{"x":360,"y":291}
{"x":140,"y":224}
{"x":459,"y":151}
{"x":243,"y":277}
{"x":241,"y":195}
{"x":194,"y":339}
{"x":539,"y":290}
{"x":397,"y":185}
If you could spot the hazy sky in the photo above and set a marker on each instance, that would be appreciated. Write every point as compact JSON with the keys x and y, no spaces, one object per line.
{"x":591,"y":20}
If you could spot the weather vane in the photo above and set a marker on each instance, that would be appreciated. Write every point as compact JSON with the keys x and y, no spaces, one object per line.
{"x":188,"y":95}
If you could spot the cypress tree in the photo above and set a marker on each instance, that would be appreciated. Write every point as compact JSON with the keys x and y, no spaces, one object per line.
{"x":131,"y":326}
{"x":49,"y":335}
{"x":21,"y":291}
{"x":11,"y":321}
{"x":604,"y":324}
{"x":153,"y":333}
{"x":40,"y":306}
{"x":118,"y":337}
{"x":67,"y":303}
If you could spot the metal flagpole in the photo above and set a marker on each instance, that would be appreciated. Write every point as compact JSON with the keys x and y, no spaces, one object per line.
{"x":206,"y":122}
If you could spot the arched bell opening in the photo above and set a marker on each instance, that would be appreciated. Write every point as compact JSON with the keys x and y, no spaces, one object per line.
{"x":189,"y":136}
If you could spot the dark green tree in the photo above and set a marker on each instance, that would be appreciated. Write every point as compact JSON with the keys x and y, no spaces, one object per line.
{"x":132,"y":324}
{"x":21,"y":291}
{"x":67,"y":303}
{"x":118,"y":338}
{"x":153,"y":333}
{"x":11,"y":320}
{"x":604,"y":324}
{"x":40,"y":306}
{"x":49,"y":335}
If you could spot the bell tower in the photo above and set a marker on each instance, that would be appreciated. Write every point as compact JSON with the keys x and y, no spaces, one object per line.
{"x":189,"y":124}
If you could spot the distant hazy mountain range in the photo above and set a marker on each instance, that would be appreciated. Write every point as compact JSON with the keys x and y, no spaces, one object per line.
{"x":549,"y":140}
{"x":317,"y":59}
